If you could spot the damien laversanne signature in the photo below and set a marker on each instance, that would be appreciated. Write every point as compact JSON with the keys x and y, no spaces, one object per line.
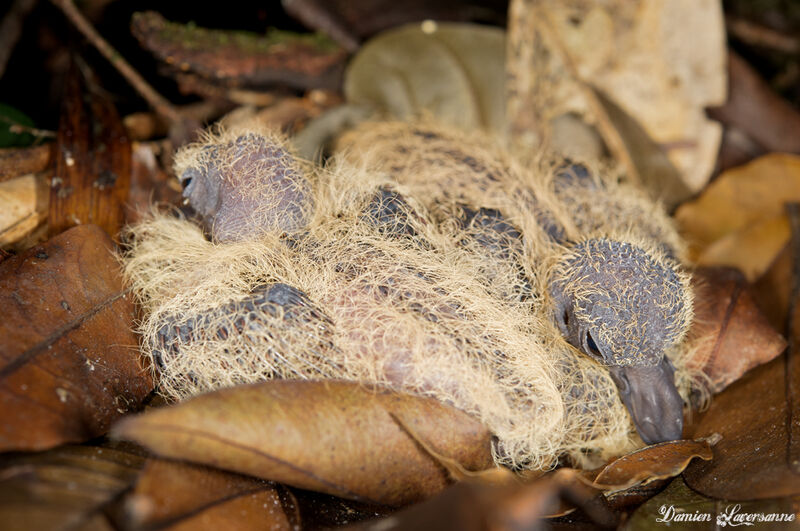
{"x":731,"y":516}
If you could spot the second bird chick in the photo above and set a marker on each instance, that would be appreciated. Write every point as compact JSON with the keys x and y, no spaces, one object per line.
{"x":601,"y":256}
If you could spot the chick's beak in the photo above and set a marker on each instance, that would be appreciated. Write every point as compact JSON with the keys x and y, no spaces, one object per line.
{"x":650,"y":395}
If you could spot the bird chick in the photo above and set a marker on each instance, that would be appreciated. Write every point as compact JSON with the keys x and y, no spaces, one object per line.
{"x":626,"y":307}
{"x":601,"y":254}
{"x":225,"y":185}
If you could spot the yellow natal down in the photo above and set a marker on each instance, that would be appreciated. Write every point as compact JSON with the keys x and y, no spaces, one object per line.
{"x":418,"y":258}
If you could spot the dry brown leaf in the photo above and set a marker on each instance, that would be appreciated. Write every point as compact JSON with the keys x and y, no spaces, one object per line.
{"x":654,"y":170}
{"x":759,"y":455}
{"x":636,"y":53}
{"x":69,"y":364}
{"x":635,"y":496}
{"x":461,"y":507}
{"x":495,"y":475}
{"x":658,"y":461}
{"x":255,"y":511}
{"x":334,"y":437}
{"x":750,"y":462}
{"x":64,"y":488}
{"x":730,"y":333}
{"x":792,"y":367}
{"x":751,"y":249}
{"x":737,"y":200}
{"x":737,"y":149}
{"x":172,"y":495}
{"x":772,"y":289}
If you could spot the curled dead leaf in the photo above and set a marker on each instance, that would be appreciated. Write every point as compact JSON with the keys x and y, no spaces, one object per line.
{"x":335,"y":437}
{"x":495,"y":475}
{"x":771,"y":289}
{"x":753,"y":107}
{"x":656,"y":173}
{"x":751,"y":249}
{"x":759,"y":455}
{"x":658,"y":461}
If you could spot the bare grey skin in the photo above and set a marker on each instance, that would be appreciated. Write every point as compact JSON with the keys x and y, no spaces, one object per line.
{"x":613,"y":302}
{"x":227,"y":212}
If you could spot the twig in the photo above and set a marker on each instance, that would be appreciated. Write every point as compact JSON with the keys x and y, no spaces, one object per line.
{"x":22,"y":129}
{"x":757,"y":35}
{"x":156,"y":100}
{"x":18,"y":128}
{"x":11,"y":29}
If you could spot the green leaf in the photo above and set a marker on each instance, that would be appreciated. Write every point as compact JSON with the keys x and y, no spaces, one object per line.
{"x":9,"y":116}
